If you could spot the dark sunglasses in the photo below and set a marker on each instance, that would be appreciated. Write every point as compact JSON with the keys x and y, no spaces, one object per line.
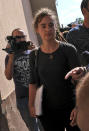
{"x":19,"y":37}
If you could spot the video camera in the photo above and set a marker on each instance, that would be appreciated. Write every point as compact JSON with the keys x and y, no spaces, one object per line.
{"x":16,"y":47}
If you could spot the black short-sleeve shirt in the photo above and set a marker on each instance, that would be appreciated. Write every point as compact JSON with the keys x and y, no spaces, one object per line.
{"x":52,"y":69}
{"x":21,"y":73}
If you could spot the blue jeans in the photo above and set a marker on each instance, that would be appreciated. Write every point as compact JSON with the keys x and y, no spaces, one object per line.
{"x":22,"y":105}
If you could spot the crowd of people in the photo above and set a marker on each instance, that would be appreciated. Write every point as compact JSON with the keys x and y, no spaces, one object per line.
{"x":58,"y":65}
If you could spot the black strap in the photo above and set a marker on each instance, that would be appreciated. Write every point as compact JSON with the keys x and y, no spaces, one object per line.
{"x":36,"y":66}
{"x":36,"y":58}
{"x":39,"y":81}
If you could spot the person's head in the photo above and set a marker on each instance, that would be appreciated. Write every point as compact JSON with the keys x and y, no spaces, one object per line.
{"x":82,"y":103}
{"x":19,"y":34}
{"x":85,"y":7}
{"x":65,"y":33}
{"x":45,"y":23}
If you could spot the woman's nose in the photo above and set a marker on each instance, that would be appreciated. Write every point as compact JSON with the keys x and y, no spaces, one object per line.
{"x":47,"y":28}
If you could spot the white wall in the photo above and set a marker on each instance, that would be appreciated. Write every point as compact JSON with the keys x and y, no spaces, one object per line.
{"x":29,"y":20}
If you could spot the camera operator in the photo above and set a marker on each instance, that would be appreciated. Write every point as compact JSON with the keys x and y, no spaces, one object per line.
{"x":17,"y":67}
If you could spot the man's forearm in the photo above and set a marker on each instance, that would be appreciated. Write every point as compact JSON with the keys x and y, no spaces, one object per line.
{"x":9,"y":68}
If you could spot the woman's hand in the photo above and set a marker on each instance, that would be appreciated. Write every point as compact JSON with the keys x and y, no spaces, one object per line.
{"x":32,"y":94}
{"x":73,"y":117}
{"x":32,"y":111}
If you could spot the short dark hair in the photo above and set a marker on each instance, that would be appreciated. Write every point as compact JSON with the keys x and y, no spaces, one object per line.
{"x":17,"y":29}
{"x":84,"y":4}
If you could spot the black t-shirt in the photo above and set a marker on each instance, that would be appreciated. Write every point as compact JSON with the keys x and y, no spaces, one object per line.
{"x":52,"y":69}
{"x":21,"y":73}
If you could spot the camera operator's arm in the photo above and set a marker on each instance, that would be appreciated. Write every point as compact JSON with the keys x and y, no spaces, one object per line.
{"x":9,"y":67}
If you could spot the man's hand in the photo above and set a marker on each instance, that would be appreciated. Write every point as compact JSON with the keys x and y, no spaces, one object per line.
{"x":32,"y":46}
{"x":75,"y":73}
{"x":8,"y":45}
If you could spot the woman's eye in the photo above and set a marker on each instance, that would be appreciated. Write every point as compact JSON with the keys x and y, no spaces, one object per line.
{"x":43,"y":26}
{"x":51,"y":25}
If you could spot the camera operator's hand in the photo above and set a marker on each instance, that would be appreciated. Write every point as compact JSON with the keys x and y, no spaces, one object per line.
{"x":8,"y":46}
{"x":8,"y":49}
{"x":31,"y":46}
